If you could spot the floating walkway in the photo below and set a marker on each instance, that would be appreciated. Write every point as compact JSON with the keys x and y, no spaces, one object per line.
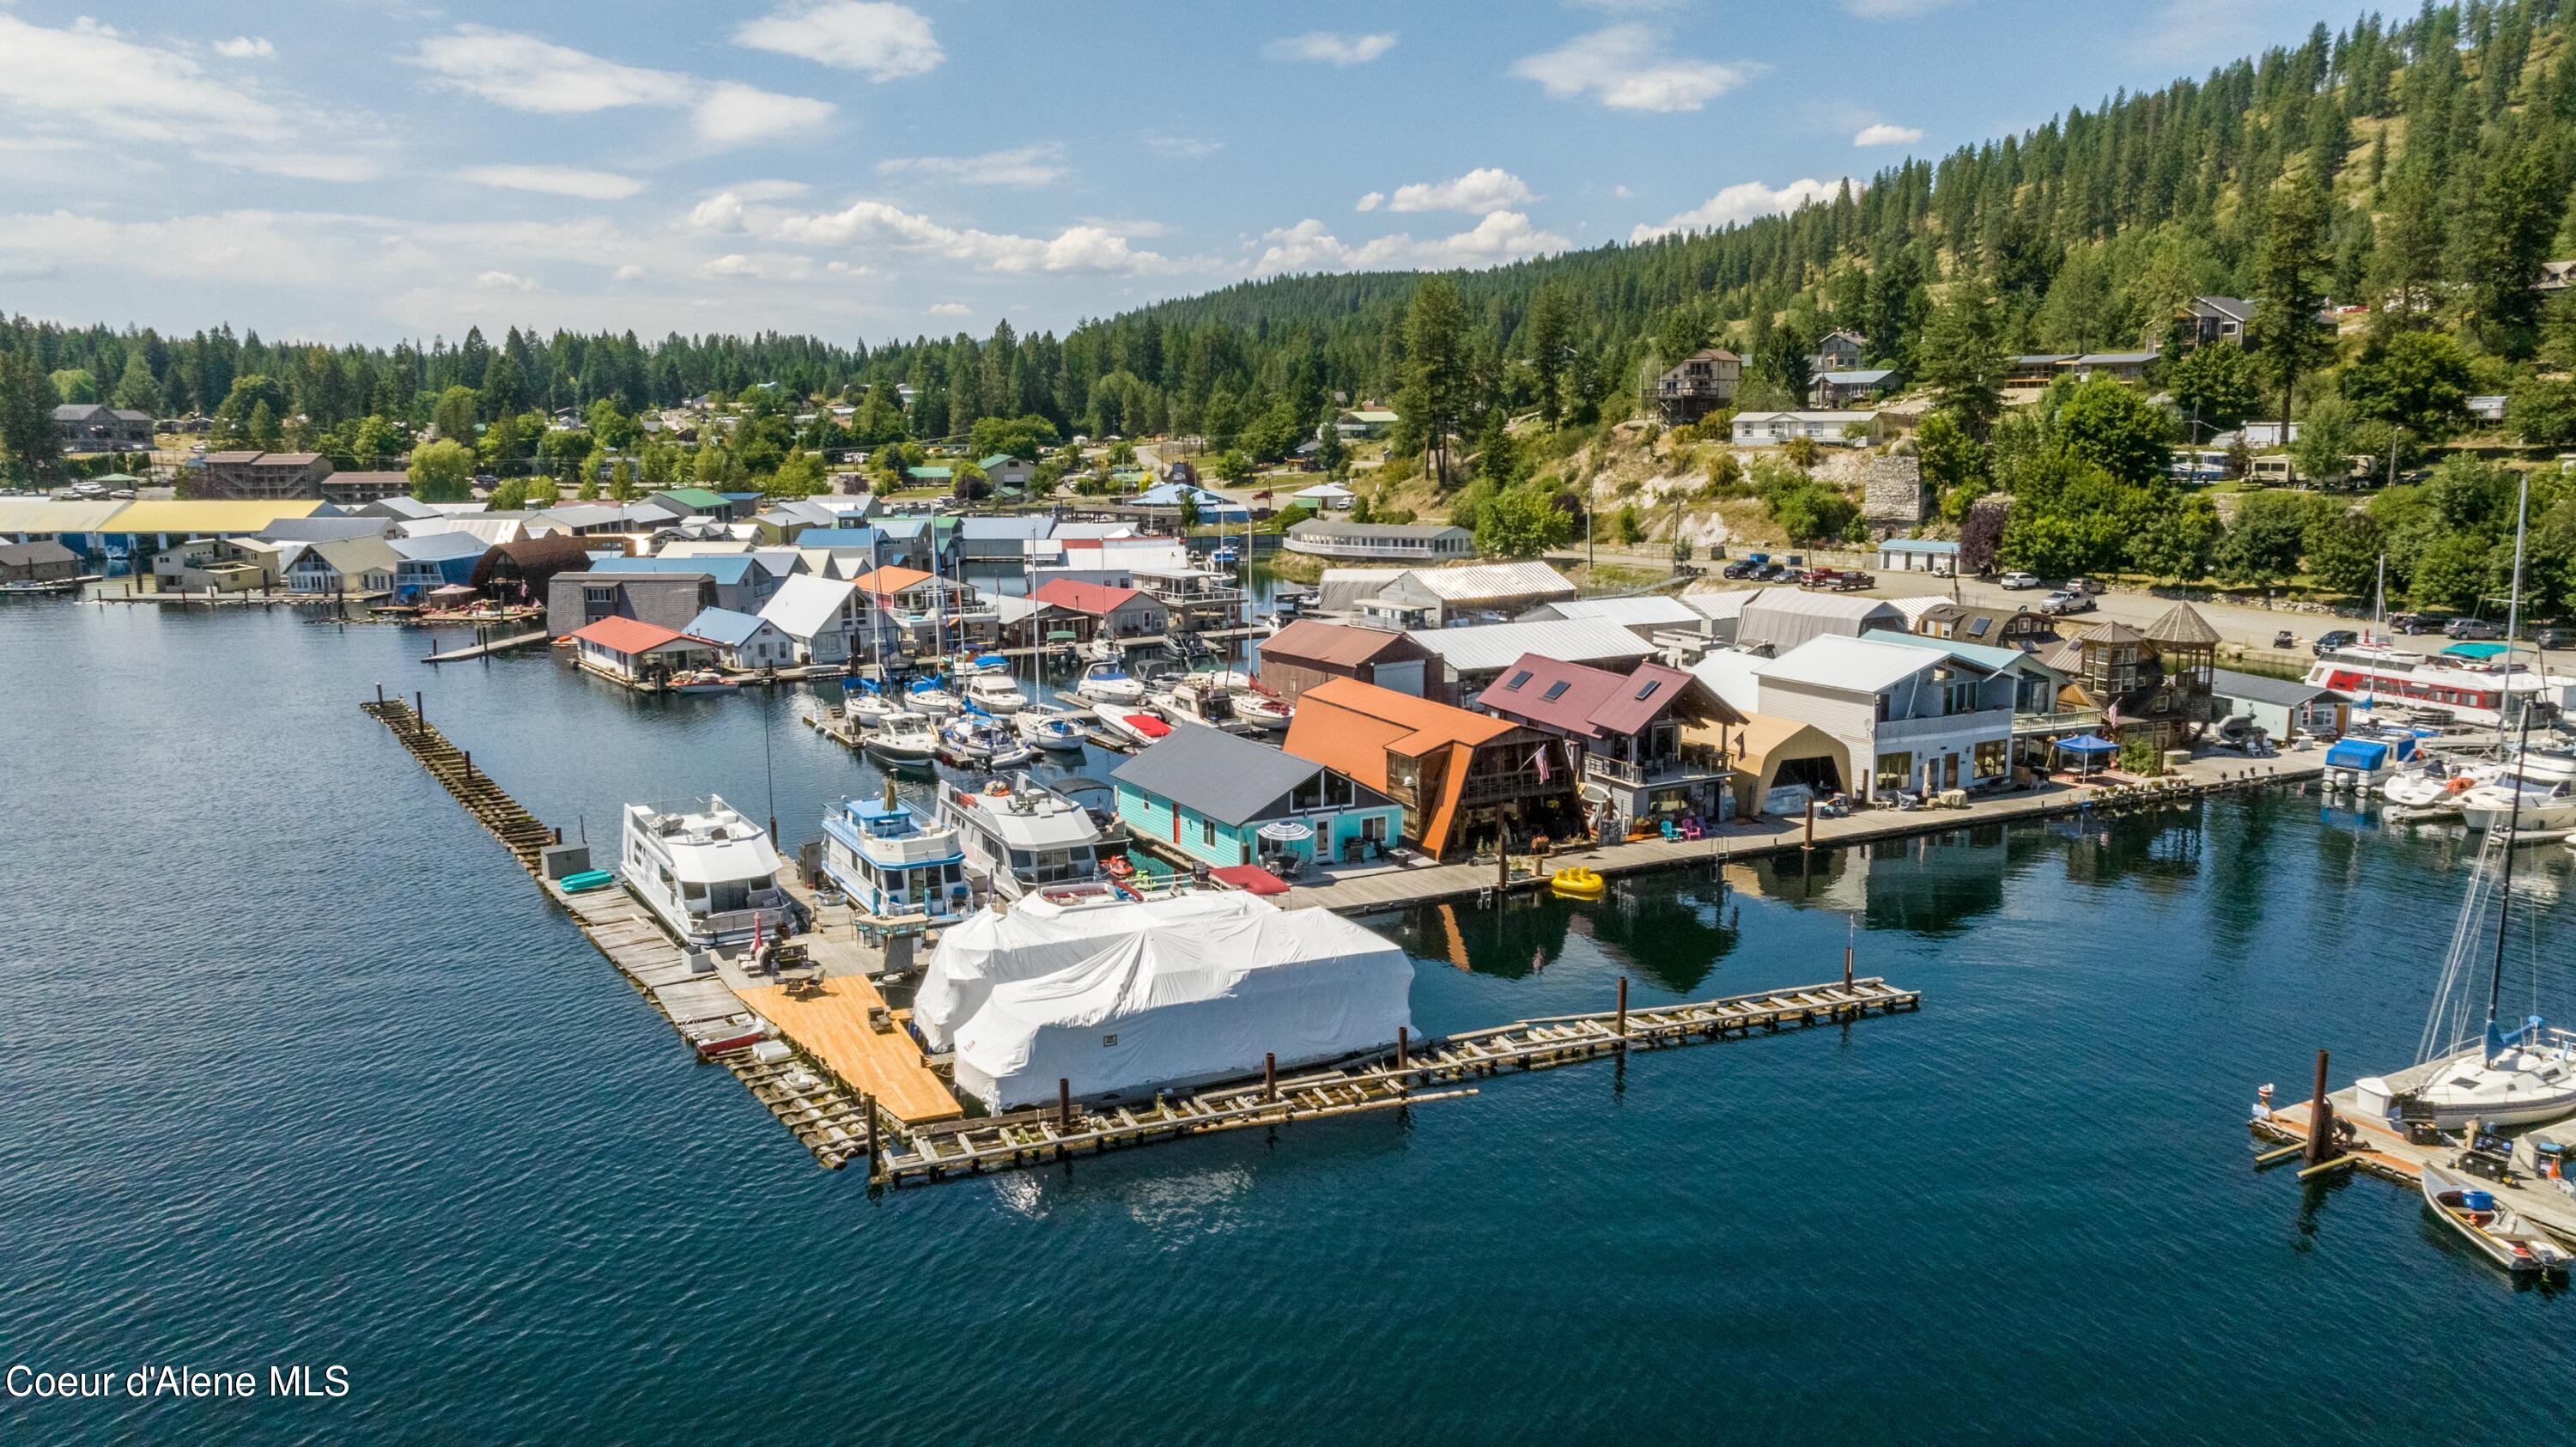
{"x":1412,"y":1074}
{"x":486,"y":650}
{"x":491,"y":806}
{"x":2375,"y":1146}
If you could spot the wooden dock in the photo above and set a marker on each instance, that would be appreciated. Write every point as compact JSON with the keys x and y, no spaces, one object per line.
{"x":486,"y":650}
{"x":491,"y":805}
{"x":1412,"y":1074}
{"x":831,"y":1020}
{"x":2382,"y":1150}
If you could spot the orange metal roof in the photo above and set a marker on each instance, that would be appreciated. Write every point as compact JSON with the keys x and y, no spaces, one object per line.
{"x":1352,"y":727}
{"x":889,"y":579}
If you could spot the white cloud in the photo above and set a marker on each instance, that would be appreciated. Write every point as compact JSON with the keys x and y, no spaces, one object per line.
{"x":628,"y":272}
{"x":731,"y":113}
{"x":1034,"y":165}
{"x":1075,"y":249}
{"x":1884,"y":134}
{"x":1329,"y":47}
{"x":1188,"y":148}
{"x":1371,"y":201}
{"x":880,"y":41}
{"x":766,"y":266}
{"x":1632,"y":7}
{"x":951,"y":309}
{"x":555,"y":181}
{"x":300,"y":165}
{"x":1500,"y":237}
{"x":1487,"y":188}
{"x":245,"y":47}
{"x":523,"y":73}
{"x":53,"y":76}
{"x":771,"y":190}
{"x":2188,"y":30}
{"x":503,"y":281}
{"x":1622,"y":192}
{"x":1741,"y":202}
{"x":1625,"y":68}
{"x":1895,"y":9}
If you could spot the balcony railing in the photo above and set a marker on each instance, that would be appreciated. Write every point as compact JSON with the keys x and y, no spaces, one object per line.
{"x":1518,"y":784}
{"x":1695,"y":761}
{"x":2066,"y":721}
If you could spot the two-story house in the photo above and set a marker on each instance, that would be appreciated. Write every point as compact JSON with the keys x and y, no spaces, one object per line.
{"x":1697,"y":385}
{"x":1914,"y":719}
{"x":1627,"y":731}
{"x":822,"y":617}
{"x":1227,"y":801}
{"x":1465,"y":780}
{"x":2152,"y":685}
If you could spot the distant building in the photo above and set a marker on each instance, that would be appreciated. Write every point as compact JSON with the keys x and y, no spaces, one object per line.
{"x":260,"y":475}
{"x":2216,"y":319}
{"x":1893,"y":494}
{"x":1225,"y":801}
{"x":38,"y":562}
{"x":743,"y":641}
{"x":1839,"y":351}
{"x":1447,"y":597}
{"x":357,"y":489}
{"x":1968,"y":623}
{"x":1837,"y":391}
{"x":90,"y":427}
{"x":1364,"y":422}
{"x":2035,"y":369}
{"x":1464,"y":779}
{"x":352,"y":566}
{"x":2118,"y":366}
{"x":669,"y":600}
{"x":1918,"y":555}
{"x":1307,"y":652}
{"x":2555,"y":276}
{"x":1697,"y":385}
{"x":627,"y":648}
{"x":1833,"y":429}
{"x":1394,"y":542}
{"x":1626,"y":731}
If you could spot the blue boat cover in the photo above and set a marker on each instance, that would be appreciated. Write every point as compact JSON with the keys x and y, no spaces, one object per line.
{"x":2357,"y":754}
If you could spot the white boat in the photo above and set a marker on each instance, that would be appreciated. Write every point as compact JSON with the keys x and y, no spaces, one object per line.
{"x":2472,"y":692}
{"x":869,"y":708}
{"x":1198,"y":698}
{"x":995,"y":693}
{"x":1103,"y":649}
{"x":2435,"y":789}
{"x":2360,"y":763}
{"x":2538,"y":788}
{"x":881,"y":855}
{"x":1109,"y":683}
{"x":928,"y":697}
{"x":974,"y":665}
{"x":1048,"y":729}
{"x":702,"y":680}
{"x":2498,"y":1232}
{"x":1134,"y":725}
{"x":707,"y":872}
{"x":981,"y":741}
{"x":905,"y":737}
{"x":1021,"y":836}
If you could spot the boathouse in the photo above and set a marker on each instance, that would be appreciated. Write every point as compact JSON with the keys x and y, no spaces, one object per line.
{"x":1097,"y":608}
{"x":1627,"y":731}
{"x":1465,"y":780}
{"x":1225,"y":801}
{"x":638,"y":652}
{"x":743,"y":641}
{"x":1308,"y":652}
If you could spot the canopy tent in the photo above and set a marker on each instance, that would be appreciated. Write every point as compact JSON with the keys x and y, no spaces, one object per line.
{"x":2089,"y":747}
{"x":1129,"y":998}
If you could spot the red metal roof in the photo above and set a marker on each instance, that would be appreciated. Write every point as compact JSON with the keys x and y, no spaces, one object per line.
{"x":1250,"y":878}
{"x":1309,"y":640}
{"x":1594,"y":701}
{"x":628,"y":635}
{"x":1097,"y":599}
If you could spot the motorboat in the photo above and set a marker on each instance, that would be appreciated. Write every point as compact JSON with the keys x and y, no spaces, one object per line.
{"x":1226,"y":556}
{"x":707,"y":872}
{"x":1270,"y":715}
{"x":1198,"y":698}
{"x":995,"y":693}
{"x":926,"y":696}
{"x":1021,"y":836}
{"x":905,"y":737}
{"x":2499,"y":1233}
{"x":2360,"y":763}
{"x":2478,"y":692}
{"x":702,"y":680}
{"x":1134,"y":726}
{"x":1103,"y":649}
{"x":869,"y":708}
{"x":1109,"y":683}
{"x":890,"y":864}
{"x":977,"y":665}
{"x":2435,"y":789}
{"x":1049,"y":729}
{"x":2537,"y":788}
{"x":982,"y":741}
{"x":733,"y":1032}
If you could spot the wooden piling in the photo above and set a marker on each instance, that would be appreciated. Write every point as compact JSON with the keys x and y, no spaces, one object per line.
{"x":2320,"y":1118}
{"x":1400,"y":1042}
{"x":1847,"y":967}
{"x":1270,"y":1075}
{"x":1810,"y":841}
{"x":1623,"y":1015}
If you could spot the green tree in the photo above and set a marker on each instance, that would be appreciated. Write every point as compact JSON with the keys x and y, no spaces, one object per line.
{"x":1551,"y":328}
{"x":509,"y":496}
{"x":2213,"y":387}
{"x":136,"y":388}
{"x":1962,"y":359}
{"x":2261,"y":548}
{"x":27,"y":437}
{"x":2326,"y":444}
{"x":262,"y":428}
{"x":1330,"y":454}
{"x":2451,"y":572}
{"x":2179,"y":540}
{"x":75,"y":385}
{"x":2289,"y":268}
{"x":1026,"y":437}
{"x":2417,"y":380}
{"x":1520,"y":523}
{"x":1189,"y":511}
{"x":2542,"y":411}
{"x":441,"y":471}
{"x":1810,"y":512}
{"x":1434,"y":396}
{"x":2343,"y":549}
{"x":454,"y":415}
{"x":2502,"y":239}
{"x":1629,"y":528}
{"x":2116,"y":429}
{"x":1233,"y":465}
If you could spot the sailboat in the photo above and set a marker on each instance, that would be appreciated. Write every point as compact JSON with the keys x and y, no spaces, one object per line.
{"x":2502,"y":1077}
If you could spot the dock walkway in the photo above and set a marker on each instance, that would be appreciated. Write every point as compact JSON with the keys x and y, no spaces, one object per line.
{"x":2384,"y":1151}
{"x":486,"y":650}
{"x":1355,"y":891}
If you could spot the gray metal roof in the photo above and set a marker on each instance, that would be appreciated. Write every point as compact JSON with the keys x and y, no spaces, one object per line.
{"x":325,"y":529}
{"x":2254,"y":687}
{"x":1228,"y":779}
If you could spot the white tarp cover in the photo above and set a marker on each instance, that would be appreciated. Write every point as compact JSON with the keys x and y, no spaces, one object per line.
{"x":1179,"y":990}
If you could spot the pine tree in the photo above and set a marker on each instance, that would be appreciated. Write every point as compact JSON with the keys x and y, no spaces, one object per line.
{"x":1962,"y":359}
{"x":1433,"y":398}
{"x":2284,"y":331}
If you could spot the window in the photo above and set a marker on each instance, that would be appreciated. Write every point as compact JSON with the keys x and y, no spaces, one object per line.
{"x":1895,"y":771}
{"x":1977,"y":627}
{"x":1557,"y":690}
{"x":1207,"y":831}
{"x":1994,"y":758}
{"x":1518,"y":679}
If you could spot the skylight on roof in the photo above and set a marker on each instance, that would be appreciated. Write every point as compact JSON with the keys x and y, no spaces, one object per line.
{"x":1648,"y":691}
{"x":1977,"y":627}
{"x":1557,"y":690}
{"x":1518,"y":679}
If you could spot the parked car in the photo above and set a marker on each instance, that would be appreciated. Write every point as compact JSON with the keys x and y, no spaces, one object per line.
{"x":2412,"y":623}
{"x":1769,"y":573}
{"x":2471,"y":628}
{"x":1740,"y":568}
{"x":2062,"y":601}
{"x":1849,"y":581}
{"x":2333,"y":639}
{"x":2019,"y":580}
{"x":2553,"y":638}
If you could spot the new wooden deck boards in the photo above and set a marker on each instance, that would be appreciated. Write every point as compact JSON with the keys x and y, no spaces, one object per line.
{"x":830,"y":1023}
{"x":2385,"y":1151}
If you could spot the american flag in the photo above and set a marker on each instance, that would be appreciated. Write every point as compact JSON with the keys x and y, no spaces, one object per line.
{"x":1538,"y":759}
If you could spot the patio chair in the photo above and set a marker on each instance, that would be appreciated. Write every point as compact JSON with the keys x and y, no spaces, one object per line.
{"x":1691,"y":829}
{"x":1672,"y":833}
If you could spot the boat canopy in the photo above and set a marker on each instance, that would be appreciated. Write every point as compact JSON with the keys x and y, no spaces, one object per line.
{"x":1126,"y":997}
{"x":2481,"y":651}
{"x":2358,"y":754}
{"x":2088,"y":744}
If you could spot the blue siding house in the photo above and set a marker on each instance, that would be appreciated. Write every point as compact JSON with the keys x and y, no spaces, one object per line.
{"x":1224,"y":800}
{"x":434,"y":561}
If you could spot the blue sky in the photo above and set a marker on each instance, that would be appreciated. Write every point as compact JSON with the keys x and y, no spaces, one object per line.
{"x":854,"y":168}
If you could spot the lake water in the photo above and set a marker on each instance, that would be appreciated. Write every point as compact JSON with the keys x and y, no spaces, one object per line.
{"x":296,"y":1067}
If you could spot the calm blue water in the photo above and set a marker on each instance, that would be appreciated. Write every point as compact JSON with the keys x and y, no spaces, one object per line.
{"x":296,"y":1067}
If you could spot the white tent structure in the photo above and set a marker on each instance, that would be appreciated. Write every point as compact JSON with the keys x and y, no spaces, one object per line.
{"x":1326,"y":496}
{"x":1126,"y":998}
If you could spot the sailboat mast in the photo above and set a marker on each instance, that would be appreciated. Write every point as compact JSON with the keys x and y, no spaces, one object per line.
{"x":2513,"y":809}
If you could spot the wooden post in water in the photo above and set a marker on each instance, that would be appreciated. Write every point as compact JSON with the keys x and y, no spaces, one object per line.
{"x":1623,"y":1014}
{"x":2320,"y":1117}
{"x":1063,"y":1104}
{"x":1847,"y":966}
{"x":380,"y":695}
{"x":868,"y":1109}
{"x":1400,"y":1043}
{"x":1810,"y":841}
{"x":419,"y":715}
{"x":1270,"y":1075}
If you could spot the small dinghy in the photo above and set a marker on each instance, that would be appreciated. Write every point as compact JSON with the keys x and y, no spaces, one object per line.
{"x":2497,"y":1231}
{"x":1140,"y":728}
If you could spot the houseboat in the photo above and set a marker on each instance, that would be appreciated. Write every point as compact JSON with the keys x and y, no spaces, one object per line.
{"x":710,"y":874}
{"x":2443,"y":686}
{"x":1021,"y":836}
{"x":890,"y":865}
